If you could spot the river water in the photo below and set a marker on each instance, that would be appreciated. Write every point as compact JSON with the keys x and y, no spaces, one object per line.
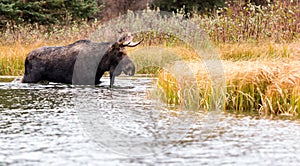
{"x":56,"y":124}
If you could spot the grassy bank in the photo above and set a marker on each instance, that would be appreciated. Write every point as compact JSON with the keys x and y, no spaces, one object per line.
{"x":264,"y":85}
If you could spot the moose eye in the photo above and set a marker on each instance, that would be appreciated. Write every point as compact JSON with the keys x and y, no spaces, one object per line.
{"x":120,"y":54}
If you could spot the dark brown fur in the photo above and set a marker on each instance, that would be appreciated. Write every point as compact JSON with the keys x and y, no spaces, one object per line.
{"x":88,"y":59}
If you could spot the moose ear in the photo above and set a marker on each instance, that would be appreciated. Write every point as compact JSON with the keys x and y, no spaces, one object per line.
{"x":115,"y":45}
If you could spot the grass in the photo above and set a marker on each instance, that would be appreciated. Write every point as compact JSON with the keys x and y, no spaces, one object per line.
{"x":12,"y":57}
{"x":259,"y":86}
{"x":259,"y":47}
{"x":256,"y":51}
{"x":17,"y":41}
{"x":269,"y":87}
{"x":11,"y":60}
{"x":239,"y":22}
{"x":266,"y":80}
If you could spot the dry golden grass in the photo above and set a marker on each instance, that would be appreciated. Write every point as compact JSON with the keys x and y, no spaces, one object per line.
{"x":259,"y":51}
{"x":12,"y":56}
{"x":265,"y":85}
{"x":11,"y":60}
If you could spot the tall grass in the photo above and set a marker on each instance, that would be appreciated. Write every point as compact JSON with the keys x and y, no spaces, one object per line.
{"x":264,"y":87}
{"x":12,"y":59}
{"x":17,"y":41}
{"x":269,"y":87}
{"x":240,"y":22}
{"x":33,"y":33}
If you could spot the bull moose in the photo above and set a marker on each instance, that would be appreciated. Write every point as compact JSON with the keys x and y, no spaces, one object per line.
{"x":82,"y":62}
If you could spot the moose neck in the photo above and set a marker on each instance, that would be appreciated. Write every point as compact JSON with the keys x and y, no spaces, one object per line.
{"x":103,"y":66}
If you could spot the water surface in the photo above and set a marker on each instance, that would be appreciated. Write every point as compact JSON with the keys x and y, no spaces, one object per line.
{"x":47,"y":124}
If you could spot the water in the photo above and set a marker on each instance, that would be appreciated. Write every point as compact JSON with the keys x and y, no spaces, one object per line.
{"x":51,"y":125}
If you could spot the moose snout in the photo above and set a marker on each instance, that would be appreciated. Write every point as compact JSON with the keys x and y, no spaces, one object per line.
{"x":127,"y":66}
{"x":130,"y":70}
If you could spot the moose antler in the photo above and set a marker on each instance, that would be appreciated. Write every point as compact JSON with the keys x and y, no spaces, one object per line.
{"x":126,"y":40}
{"x":133,"y":44}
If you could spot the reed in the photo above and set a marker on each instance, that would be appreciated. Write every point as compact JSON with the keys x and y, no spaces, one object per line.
{"x":264,"y":87}
{"x":269,"y":87}
{"x":240,"y":22}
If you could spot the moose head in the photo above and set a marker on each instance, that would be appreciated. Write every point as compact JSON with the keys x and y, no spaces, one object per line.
{"x":116,"y":59}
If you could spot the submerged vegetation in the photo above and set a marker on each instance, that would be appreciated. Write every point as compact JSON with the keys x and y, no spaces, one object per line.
{"x":259,"y":48}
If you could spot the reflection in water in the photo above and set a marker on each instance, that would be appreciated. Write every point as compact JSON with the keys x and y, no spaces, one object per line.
{"x":46,"y":124}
